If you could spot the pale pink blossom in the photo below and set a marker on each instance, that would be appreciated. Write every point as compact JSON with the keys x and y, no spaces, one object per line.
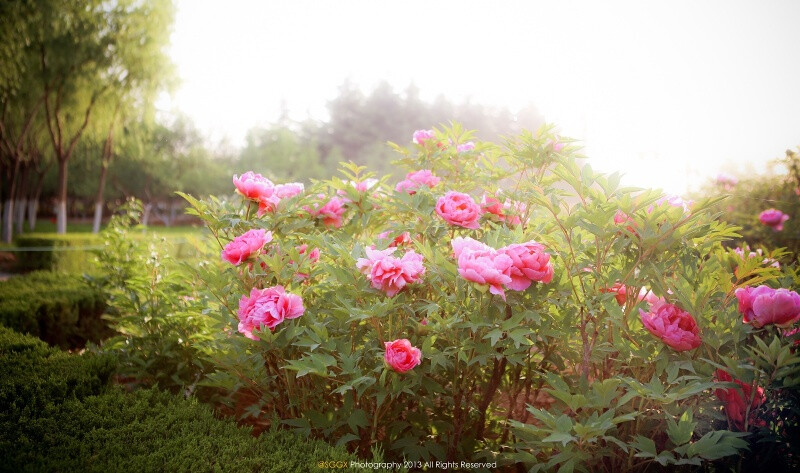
{"x":763,"y":305}
{"x":421,"y":136}
{"x":727,"y":181}
{"x":415,"y":180}
{"x":389,"y":273}
{"x":401,"y":356}
{"x":290,"y":189}
{"x":459,"y":209}
{"x":464,"y":147}
{"x":267,"y":308}
{"x":530,"y":263}
{"x":253,"y":186}
{"x":509,"y":211}
{"x":755,"y":254}
{"x":484,"y":266}
{"x":674,"y":326}
{"x":460,"y":244}
{"x":245,"y":246}
{"x":773,"y":218}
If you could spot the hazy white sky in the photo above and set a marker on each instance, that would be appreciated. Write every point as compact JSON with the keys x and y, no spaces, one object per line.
{"x":667,"y":92}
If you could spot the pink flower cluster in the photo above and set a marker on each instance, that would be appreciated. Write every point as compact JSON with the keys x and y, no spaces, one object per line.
{"x":245,"y":246}
{"x":513,"y":267}
{"x":389,"y":273}
{"x":620,"y":292}
{"x":735,"y":404}
{"x":727,"y":181}
{"x":415,"y":180}
{"x":773,"y":218}
{"x":465,"y":147}
{"x":267,"y":308}
{"x":674,"y":326}
{"x":508,"y":211}
{"x":260,"y":189}
{"x":459,"y":209}
{"x":763,"y":305}
{"x":401,"y":356}
{"x":331,"y":212}
{"x":421,"y":136}
{"x":746,"y":253}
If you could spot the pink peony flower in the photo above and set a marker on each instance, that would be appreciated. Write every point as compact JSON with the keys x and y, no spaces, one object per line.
{"x":530,"y":263}
{"x":253,"y":186}
{"x":245,"y":245}
{"x":459,"y":209}
{"x":460,"y":244}
{"x":267,"y":308}
{"x":673,"y":326}
{"x":388,"y":273}
{"x":773,"y":218}
{"x":509,"y":211}
{"x":463,"y":148}
{"x":621,"y":218}
{"x":726,"y":181}
{"x":330,"y":213}
{"x":483,"y":266}
{"x":620,"y":292}
{"x":736,"y":405}
{"x":557,"y":145}
{"x":674,"y":201}
{"x":403,"y":239}
{"x":313,"y":257}
{"x":401,"y":356}
{"x":291,"y":189}
{"x":421,"y":136}
{"x":415,"y":180}
{"x":763,"y":305}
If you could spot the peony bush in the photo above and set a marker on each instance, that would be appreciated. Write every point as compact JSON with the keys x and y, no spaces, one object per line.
{"x":501,"y":303}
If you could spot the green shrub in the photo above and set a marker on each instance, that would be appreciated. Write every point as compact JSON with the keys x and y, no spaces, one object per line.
{"x":152,"y":430}
{"x":72,"y":252}
{"x":60,"y":309}
{"x":56,"y":415}
{"x":33,"y":375}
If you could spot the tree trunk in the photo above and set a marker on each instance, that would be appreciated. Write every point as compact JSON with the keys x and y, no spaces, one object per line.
{"x":8,"y":219}
{"x":61,"y":198}
{"x":98,"y":201}
{"x":146,"y":214}
{"x":21,"y":205}
{"x":33,"y":209}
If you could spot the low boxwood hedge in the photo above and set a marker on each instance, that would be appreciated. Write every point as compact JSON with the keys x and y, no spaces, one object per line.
{"x":58,"y":413}
{"x":60,"y":309}
{"x":72,"y":252}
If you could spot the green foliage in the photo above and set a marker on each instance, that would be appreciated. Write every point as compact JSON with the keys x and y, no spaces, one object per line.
{"x":71,"y":254}
{"x":57,"y":414}
{"x":60,"y":309}
{"x":560,"y":376}
{"x":34,"y":376}
{"x":150,"y":430}
{"x":153,"y":309}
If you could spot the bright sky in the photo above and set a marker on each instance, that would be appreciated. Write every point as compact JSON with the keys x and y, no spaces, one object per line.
{"x":669,"y":93}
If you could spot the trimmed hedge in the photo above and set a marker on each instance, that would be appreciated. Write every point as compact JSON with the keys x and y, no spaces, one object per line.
{"x":64,"y":258}
{"x":57,"y":413}
{"x":33,"y":375}
{"x":152,"y":430}
{"x":60,"y":309}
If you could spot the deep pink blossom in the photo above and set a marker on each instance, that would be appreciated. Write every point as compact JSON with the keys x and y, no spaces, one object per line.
{"x":415,"y":180}
{"x":253,"y":186}
{"x":401,"y":356}
{"x":735,"y":404}
{"x":267,"y":308}
{"x":773,"y":218}
{"x":246,"y":245}
{"x":389,"y":273}
{"x":530,"y":263}
{"x":459,"y":209}
{"x":763,"y":305}
{"x":674,"y":326}
{"x":330,"y":213}
{"x":421,"y":136}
